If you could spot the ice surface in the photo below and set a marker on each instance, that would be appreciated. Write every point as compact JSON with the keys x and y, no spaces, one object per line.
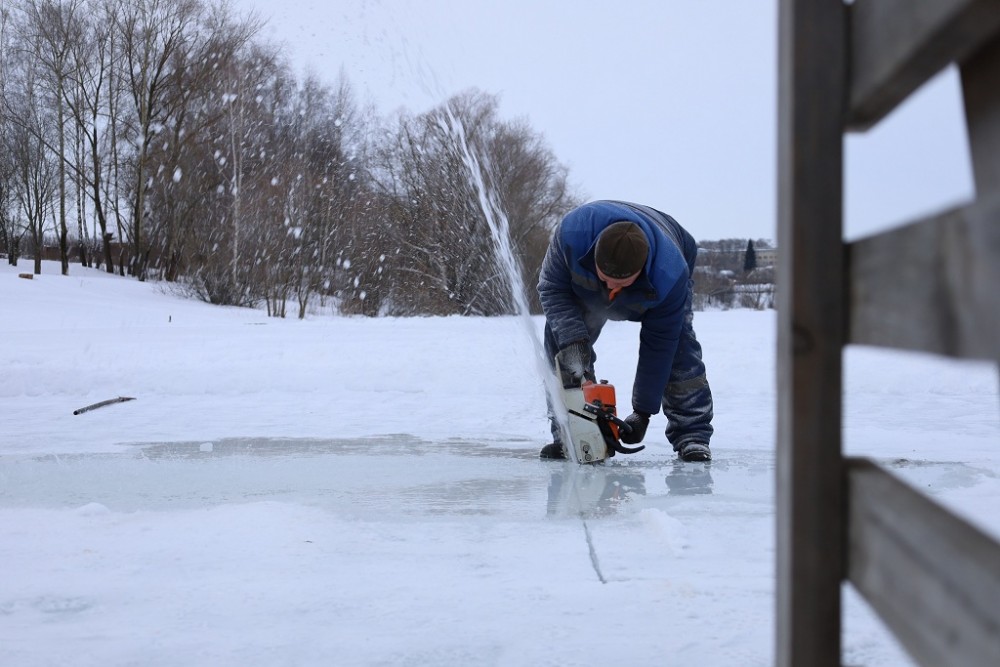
{"x":367,"y":492}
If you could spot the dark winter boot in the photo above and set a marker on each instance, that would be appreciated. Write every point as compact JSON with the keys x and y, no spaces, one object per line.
{"x":553,"y":450}
{"x":694,"y":451}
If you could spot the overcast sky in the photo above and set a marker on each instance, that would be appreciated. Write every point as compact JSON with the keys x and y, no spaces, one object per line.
{"x":670,"y":103}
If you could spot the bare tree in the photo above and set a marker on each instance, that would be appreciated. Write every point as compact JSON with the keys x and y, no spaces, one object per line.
{"x":332,"y":243}
{"x":152,"y":33}
{"x":234,"y":171}
{"x":535,"y":192}
{"x":29,"y":137}
{"x":303,"y":206}
{"x":208,"y":71}
{"x":34,"y":170}
{"x":90,"y":100}
{"x":447,"y":243}
{"x":52,"y":31}
{"x":10,"y":232}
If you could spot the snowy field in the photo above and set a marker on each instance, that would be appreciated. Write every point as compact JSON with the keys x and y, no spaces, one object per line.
{"x":345,"y":491}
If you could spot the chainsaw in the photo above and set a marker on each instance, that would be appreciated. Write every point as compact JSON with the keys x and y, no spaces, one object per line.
{"x":593,"y":426}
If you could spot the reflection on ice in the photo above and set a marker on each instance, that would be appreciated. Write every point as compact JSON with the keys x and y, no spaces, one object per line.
{"x":689,"y":479}
{"x":591,"y":491}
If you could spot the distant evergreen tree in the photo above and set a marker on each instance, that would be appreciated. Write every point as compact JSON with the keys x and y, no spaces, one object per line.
{"x":750,"y":258}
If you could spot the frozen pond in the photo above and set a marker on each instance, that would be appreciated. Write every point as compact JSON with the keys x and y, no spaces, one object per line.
{"x":393,"y":476}
{"x":404,"y":476}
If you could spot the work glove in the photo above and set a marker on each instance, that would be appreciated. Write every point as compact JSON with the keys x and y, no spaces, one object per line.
{"x":638,"y":421}
{"x":574,"y":364}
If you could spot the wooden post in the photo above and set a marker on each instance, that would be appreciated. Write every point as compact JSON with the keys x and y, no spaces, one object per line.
{"x":981,"y":93}
{"x":929,"y":286}
{"x":933,"y":577}
{"x":810,"y":491}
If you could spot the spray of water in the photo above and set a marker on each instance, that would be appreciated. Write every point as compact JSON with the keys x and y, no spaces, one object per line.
{"x":507,"y":260}
{"x":408,"y":60}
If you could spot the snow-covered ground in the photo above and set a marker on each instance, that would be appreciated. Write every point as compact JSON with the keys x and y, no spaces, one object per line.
{"x":345,"y":491}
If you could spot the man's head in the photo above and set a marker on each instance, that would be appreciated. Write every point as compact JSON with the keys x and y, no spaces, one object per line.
{"x":621,"y":250}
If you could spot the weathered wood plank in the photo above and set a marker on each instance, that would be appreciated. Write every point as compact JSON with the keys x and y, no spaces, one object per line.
{"x":897,"y":45}
{"x":981,"y":93}
{"x":932,"y":286}
{"x":931,"y":576}
{"x":810,"y":520}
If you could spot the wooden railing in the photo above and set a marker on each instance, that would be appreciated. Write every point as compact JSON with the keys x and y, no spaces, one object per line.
{"x":933,"y":286}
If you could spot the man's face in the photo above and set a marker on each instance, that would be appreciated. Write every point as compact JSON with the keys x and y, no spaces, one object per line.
{"x":616,"y":283}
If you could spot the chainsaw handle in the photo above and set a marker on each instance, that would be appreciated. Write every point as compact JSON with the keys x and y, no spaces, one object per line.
{"x":623,"y":427}
{"x":622,"y":449}
{"x":620,"y":423}
{"x":602,"y":417}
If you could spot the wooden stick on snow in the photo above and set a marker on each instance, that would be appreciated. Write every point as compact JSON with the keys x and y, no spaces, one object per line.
{"x":120,"y":399}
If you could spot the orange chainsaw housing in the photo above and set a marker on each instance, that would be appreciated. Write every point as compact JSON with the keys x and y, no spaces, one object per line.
{"x":602,"y":395}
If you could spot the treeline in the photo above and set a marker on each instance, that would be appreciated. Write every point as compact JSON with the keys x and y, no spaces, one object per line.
{"x":164,"y":139}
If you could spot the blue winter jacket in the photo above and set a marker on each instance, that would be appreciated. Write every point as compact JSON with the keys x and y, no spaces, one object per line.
{"x":568,"y":286}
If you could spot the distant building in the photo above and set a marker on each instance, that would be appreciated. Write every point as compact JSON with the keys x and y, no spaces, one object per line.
{"x":766,"y":256}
